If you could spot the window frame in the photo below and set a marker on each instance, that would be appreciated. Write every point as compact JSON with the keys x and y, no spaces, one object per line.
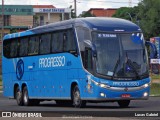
{"x":38,"y":37}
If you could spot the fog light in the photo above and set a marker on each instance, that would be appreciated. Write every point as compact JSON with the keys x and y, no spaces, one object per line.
{"x":102,"y":94}
{"x":145,"y":94}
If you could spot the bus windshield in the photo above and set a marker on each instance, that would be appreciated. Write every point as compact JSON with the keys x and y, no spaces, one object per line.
{"x":120,"y":55}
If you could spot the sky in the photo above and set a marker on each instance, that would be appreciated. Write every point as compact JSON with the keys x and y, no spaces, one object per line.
{"x":82,"y":5}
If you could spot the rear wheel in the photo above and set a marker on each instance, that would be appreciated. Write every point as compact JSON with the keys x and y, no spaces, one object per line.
{"x":77,"y":102}
{"x":18,"y":96}
{"x":26,"y":100}
{"x":124,"y":103}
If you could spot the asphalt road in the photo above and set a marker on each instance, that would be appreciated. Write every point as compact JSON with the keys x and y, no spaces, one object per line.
{"x":103,"y":109}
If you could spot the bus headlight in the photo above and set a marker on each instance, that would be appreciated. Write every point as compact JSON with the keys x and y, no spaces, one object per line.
{"x":103,"y":85}
{"x":146,"y":85}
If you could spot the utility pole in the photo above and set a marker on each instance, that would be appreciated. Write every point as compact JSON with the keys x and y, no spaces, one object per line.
{"x":130,"y":3}
{"x":2,"y":30}
{"x":75,"y":7}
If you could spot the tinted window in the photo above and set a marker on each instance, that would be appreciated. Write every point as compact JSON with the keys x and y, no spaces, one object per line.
{"x":6,"y":48}
{"x":14,"y":48}
{"x":23,"y":47}
{"x":57,"y":42}
{"x":69,"y":41}
{"x":45,"y":44}
{"x":83,"y":34}
{"x":33,"y":45}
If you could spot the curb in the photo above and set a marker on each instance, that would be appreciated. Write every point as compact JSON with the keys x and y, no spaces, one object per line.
{"x":154,"y":95}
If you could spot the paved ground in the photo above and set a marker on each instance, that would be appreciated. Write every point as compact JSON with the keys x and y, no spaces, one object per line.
{"x":101,"y":109}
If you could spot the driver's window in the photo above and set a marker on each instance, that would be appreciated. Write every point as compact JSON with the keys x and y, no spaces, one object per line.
{"x":88,"y":64}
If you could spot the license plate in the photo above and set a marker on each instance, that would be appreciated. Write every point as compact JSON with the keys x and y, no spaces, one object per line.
{"x":125,"y":95}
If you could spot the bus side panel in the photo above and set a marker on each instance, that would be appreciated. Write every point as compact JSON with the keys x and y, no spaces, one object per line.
{"x":83,"y":83}
{"x":8,"y":74}
{"x":76,"y":74}
{"x":7,"y":85}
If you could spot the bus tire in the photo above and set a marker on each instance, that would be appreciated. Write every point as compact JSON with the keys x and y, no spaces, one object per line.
{"x":124,"y":103}
{"x":18,"y":96}
{"x":77,"y":102}
{"x":26,"y":100}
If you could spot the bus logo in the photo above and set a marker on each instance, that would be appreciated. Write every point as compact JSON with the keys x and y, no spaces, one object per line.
{"x":20,"y":69}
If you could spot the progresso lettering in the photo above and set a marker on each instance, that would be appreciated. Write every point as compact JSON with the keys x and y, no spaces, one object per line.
{"x":126,"y":84}
{"x":52,"y":62}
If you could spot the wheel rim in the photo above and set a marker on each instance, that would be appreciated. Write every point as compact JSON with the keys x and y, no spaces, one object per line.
{"x":77,"y":100}
{"x":25,"y":98}
{"x":18,"y":96}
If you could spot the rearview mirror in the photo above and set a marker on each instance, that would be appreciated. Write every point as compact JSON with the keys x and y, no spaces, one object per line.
{"x":89,"y":44}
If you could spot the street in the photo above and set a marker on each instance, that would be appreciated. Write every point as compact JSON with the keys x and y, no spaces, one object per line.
{"x":92,"y":109}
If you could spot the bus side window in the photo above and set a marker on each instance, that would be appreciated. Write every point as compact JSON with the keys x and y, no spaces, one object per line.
{"x":14,"y":48}
{"x":33,"y":45}
{"x":65,"y":41}
{"x":45,"y":44}
{"x":83,"y":34}
{"x":88,"y":59}
{"x":57,"y":42}
{"x":69,"y":41}
{"x":23,"y":50}
{"x":6,"y":48}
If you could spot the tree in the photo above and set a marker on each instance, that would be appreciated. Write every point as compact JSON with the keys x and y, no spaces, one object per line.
{"x":87,"y":14}
{"x":124,"y":12}
{"x":149,"y":17}
{"x":128,"y":14}
{"x":146,"y":15}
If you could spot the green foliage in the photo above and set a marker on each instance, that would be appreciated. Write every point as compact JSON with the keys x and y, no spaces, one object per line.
{"x":150,"y":22}
{"x":13,"y":30}
{"x":146,"y":15}
{"x":123,"y":13}
{"x":86,"y":14}
{"x":155,"y":88}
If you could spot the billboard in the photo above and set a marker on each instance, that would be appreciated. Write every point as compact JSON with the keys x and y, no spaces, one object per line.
{"x":17,"y":10}
{"x":157,"y":43}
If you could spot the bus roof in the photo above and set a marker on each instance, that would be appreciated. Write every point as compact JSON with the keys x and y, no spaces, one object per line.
{"x":94,"y":23}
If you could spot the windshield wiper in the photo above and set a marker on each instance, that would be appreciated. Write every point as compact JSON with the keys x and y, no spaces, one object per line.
{"x":116,"y":66}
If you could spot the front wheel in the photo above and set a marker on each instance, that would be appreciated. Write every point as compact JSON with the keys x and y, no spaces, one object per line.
{"x":124,"y":103}
{"x":77,"y":102}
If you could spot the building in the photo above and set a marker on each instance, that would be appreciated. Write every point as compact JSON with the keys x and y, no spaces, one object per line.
{"x":101,"y":12}
{"x":16,"y":18}
{"x":44,"y":14}
{"x":22,"y":17}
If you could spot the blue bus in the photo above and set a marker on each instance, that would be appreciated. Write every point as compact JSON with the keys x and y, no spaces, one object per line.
{"x":77,"y":61}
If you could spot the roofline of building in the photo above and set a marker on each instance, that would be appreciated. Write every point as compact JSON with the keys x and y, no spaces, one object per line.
{"x":34,"y":6}
{"x":102,"y":9}
{"x":43,"y":6}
